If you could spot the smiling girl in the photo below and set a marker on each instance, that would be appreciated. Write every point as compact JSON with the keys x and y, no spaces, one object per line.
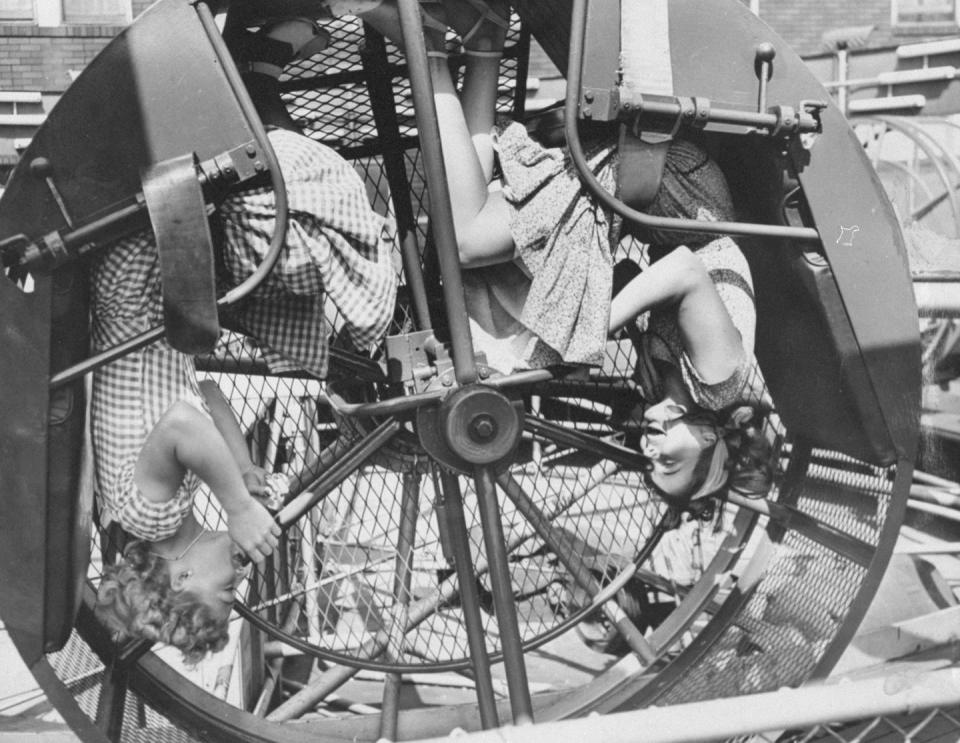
{"x":702,"y":430}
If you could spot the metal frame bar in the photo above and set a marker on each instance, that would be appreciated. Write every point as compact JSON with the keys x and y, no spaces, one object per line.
{"x":383,"y":104}
{"x":441,"y":213}
{"x":469,"y":600}
{"x":739,"y":717}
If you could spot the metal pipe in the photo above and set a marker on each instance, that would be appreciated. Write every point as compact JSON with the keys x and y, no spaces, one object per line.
{"x":829,"y":536}
{"x":384,"y":106}
{"x":674,"y":109}
{"x":441,"y":213}
{"x":950,"y":514}
{"x":575,"y":147}
{"x":403,"y":571}
{"x":937,"y":298}
{"x":503,"y":604}
{"x":390,"y":406}
{"x":566,"y":551}
{"x":607,"y":449}
{"x":337,"y":472}
{"x":742,"y":716}
{"x":469,"y":600}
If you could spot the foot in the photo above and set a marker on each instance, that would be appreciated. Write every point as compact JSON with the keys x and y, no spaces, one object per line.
{"x":434,"y":16}
{"x":482,"y":25}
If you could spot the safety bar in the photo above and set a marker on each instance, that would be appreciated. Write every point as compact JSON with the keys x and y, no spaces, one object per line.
{"x":571,"y":106}
{"x":698,"y":111}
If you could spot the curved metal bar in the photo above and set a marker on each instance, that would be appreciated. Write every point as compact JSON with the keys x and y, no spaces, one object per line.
{"x":930,"y":146}
{"x":462,"y":664}
{"x":263,"y":142}
{"x":575,"y":147}
{"x":368,"y":655}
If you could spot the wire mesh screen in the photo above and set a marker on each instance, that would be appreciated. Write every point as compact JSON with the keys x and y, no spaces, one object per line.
{"x":81,"y":672}
{"x":806,"y":591}
{"x":924,"y":726}
{"x":339,"y":561}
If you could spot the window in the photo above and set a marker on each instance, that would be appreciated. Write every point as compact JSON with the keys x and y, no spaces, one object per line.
{"x":926,"y":14}
{"x":16,"y":10}
{"x":113,"y":12}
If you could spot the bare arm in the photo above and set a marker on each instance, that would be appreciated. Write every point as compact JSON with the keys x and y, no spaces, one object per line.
{"x":709,"y":337}
{"x":226,"y":423}
{"x":254,"y":476}
{"x":186,"y":439}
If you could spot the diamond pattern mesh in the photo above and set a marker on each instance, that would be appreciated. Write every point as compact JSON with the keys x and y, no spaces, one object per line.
{"x":83,"y":675}
{"x":804,"y":594}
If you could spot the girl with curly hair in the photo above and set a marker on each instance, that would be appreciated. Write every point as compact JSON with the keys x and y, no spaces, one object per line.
{"x":159,"y":434}
{"x":175,"y":582}
{"x":136,"y":598}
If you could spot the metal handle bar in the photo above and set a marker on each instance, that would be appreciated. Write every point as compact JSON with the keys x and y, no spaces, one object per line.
{"x":697,"y":111}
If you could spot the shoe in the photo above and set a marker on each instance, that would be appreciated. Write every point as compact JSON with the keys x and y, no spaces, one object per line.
{"x":484,"y":35}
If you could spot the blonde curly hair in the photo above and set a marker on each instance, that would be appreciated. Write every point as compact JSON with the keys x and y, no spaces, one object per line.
{"x":136,"y":600}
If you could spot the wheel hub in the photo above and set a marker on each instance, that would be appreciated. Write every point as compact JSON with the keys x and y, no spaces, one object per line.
{"x":473,"y":425}
{"x":480,"y":424}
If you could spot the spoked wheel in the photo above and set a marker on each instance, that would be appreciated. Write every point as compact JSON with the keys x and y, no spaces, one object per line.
{"x":369,"y":578}
{"x":366,"y":582}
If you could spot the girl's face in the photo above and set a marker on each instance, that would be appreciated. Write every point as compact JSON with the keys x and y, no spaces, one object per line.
{"x":675,"y":441}
{"x":211,"y":571}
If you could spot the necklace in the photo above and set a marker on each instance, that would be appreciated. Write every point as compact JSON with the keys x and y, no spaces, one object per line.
{"x":185,"y":551}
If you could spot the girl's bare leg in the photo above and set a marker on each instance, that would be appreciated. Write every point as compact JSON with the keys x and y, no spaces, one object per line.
{"x":483,"y":28}
{"x":480,"y":218}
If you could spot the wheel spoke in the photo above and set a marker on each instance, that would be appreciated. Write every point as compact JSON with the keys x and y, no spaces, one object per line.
{"x":566,"y":552}
{"x":409,"y":511}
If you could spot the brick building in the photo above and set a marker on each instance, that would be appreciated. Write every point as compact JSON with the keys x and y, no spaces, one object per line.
{"x":43,"y":45}
{"x":814,"y":26}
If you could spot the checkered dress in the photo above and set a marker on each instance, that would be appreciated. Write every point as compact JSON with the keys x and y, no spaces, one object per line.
{"x":337,"y":247}
{"x":133,"y":392}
